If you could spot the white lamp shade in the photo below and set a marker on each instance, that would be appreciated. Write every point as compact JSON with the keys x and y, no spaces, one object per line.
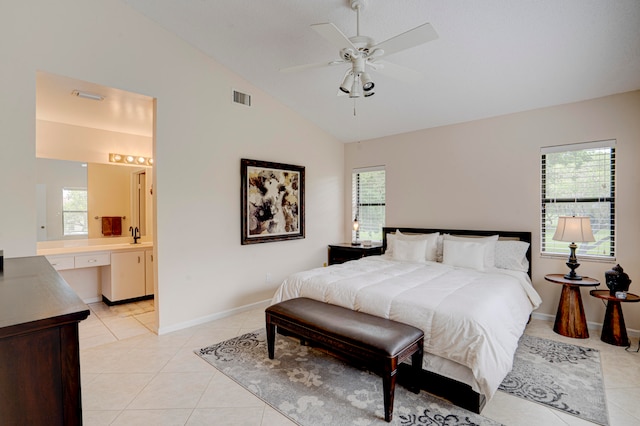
{"x":574,"y":229}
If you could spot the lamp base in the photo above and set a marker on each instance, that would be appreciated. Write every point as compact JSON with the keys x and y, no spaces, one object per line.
{"x":574,"y":277}
{"x":573,"y":265}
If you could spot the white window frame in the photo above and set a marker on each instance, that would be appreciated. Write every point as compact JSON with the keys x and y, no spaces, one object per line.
{"x":574,"y":204}
{"x":64,"y":211}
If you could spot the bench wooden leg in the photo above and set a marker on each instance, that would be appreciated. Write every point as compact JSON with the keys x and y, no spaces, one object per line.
{"x":416,"y":367}
{"x":271,"y":337}
{"x":389,"y":390}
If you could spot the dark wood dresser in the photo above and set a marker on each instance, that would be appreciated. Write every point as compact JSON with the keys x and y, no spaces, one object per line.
{"x":39,"y":350}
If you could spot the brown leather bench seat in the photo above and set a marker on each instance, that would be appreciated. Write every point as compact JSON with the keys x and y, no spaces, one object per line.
{"x":376,"y":343}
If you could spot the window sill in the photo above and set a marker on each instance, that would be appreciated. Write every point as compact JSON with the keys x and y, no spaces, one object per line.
{"x":581,"y":258}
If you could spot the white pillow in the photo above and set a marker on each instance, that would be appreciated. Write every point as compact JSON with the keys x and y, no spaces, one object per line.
{"x":430,"y":251}
{"x":489,"y":255}
{"x":409,"y":250}
{"x":431,"y":239}
{"x":465,"y":254}
{"x":512,"y":255}
{"x":391,"y":239}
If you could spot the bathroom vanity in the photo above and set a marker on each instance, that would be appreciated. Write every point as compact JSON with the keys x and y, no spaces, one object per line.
{"x":114,"y":271}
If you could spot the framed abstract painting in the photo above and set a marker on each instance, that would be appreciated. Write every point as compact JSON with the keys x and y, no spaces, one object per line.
{"x":272,"y":197}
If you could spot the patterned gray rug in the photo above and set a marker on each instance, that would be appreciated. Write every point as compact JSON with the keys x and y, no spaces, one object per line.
{"x":307,"y":385}
{"x":312,"y":388}
{"x":559,"y":375}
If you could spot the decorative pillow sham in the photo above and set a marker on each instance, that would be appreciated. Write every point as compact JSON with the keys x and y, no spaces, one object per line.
{"x":409,"y":250}
{"x":430,"y":249}
{"x":489,"y":255}
{"x":512,"y":255}
{"x":465,"y":254}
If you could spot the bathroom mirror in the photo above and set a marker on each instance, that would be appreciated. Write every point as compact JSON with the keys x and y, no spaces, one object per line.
{"x":73,"y":197}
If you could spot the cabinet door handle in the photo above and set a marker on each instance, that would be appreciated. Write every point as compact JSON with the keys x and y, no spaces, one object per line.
{"x":92,"y":260}
{"x":138,"y":259}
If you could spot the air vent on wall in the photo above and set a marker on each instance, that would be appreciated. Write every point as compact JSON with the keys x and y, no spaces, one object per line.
{"x":241,"y":98}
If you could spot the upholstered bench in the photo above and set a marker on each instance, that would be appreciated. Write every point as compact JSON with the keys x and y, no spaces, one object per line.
{"x":372,"y":342}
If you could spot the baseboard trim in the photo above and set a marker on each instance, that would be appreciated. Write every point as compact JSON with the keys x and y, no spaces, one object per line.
{"x":591,"y":325}
{"x":213,"y":317}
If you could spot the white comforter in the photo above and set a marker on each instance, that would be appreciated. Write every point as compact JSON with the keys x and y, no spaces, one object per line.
{"x":472,"y":318}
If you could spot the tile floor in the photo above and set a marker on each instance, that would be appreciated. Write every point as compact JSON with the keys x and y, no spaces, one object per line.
{"x":131,"y":376}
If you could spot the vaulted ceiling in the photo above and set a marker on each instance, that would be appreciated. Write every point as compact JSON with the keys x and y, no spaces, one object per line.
{"x":491,"y":57}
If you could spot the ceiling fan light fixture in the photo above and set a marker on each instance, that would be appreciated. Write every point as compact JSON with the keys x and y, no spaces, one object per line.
{"x":368,"y":94}
{"x":356,"y":89}
{"x":367,"y":83}
{"x":347,"y":83}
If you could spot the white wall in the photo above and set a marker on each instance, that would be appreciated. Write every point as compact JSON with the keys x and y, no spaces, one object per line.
{"x":199,"y":140}
{"x":486,"y":175}
{"x":68,"y":142}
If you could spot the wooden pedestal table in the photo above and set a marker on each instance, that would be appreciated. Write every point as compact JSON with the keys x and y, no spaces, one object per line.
{"x":614,"y":331}
{"x":570,"y":318}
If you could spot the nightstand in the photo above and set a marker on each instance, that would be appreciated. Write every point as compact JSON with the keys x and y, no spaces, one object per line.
{"x":570,"y":318}
{"x":614,"y":331}
{"x":340,"y":253}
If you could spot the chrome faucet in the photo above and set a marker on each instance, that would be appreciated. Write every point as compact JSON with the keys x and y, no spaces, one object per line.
{"x":135,"y":233}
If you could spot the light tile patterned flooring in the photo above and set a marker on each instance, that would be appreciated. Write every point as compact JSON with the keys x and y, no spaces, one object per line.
{"x":131,"y":376}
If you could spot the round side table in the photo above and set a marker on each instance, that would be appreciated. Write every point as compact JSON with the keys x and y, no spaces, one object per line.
{"x":614,"y":331}
{"x":570,"y":318}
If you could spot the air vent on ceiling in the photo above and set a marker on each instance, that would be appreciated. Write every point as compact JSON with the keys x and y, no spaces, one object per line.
{"x":241,"y":98}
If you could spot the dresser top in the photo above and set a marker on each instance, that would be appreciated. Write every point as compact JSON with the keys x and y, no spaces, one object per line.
{"x":33,"y":295}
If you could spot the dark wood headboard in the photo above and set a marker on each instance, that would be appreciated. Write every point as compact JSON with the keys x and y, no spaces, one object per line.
{"x":512,"y":235}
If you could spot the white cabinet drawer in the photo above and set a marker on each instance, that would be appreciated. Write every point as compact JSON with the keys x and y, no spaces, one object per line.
{"x":60,"y":263}
{"x":94,"y":259}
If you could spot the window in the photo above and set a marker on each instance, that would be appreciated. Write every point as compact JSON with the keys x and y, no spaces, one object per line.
{"x":368,"y":202}
{"x":579,"y":180}
{"x":74,"y":212}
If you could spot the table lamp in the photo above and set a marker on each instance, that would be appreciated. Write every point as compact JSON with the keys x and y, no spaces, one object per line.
{"x":356,"y":226}
{"x":573,"y":229}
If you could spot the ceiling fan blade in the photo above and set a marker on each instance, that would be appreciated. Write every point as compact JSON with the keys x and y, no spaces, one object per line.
{"x":397,"y":71}
{"x":297,"y":68}
{"x":406,"y":40}
{"x":333,"y":35}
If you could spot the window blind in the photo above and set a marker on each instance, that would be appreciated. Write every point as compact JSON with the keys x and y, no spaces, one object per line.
{"x":368,"y":202}
{"x":579,"y":180}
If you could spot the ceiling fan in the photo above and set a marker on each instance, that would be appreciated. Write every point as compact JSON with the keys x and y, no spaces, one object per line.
{"x":361,"y":52}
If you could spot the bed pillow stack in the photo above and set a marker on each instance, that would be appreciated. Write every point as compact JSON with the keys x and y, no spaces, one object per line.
{"x":412,"y":248}
{"x":480,"y":253}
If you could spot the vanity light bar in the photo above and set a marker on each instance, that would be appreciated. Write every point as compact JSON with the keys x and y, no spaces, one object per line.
{"x":135,"y":160}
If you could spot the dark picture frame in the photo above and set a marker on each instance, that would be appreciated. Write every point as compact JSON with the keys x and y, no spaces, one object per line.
{"x":272,"y":201}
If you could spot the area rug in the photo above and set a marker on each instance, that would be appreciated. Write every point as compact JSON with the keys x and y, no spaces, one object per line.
{"x":312,"y":388}
{"x":559,"y":375}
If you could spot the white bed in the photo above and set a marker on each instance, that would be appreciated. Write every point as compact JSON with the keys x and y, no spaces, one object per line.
{"x":472,"y":313}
